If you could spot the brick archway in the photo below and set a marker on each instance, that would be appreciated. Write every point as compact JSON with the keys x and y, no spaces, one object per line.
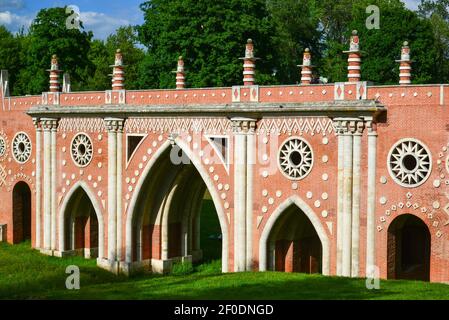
{"x":408,"y":249}
{"x":166,"y":233}
{"x":293,"y":203}
{"x":81,"y":224}
{"x":21,"y":199}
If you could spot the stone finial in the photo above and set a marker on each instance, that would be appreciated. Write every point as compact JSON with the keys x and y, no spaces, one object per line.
{"x":405,"y":65}
{"x":354,"y":58}
{"x":54,"y":74}
{"x":118,"y":73}
{"x":180,"y":74}
{"x":306,"y":67}
{"x":249,"y":64}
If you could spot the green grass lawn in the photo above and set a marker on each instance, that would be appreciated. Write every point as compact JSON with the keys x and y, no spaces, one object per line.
{"x":26,"y":274}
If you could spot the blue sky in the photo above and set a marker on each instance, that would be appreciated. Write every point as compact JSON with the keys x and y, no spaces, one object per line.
{"x":103,"y":17}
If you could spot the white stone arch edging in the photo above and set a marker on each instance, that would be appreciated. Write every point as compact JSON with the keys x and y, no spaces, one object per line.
{"x":98,"y":212}
{"x":294,"y":200}
{"x":209,"y":184}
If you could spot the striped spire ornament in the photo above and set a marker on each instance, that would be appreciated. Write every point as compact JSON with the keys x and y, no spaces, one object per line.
{"x":55,"y":84}
{"x":249,"y":64}
{"x":180,"y":74}
{"x":118,"y":73}
{"x":306,"y":67}
{"x":405,"y":65}
{"x":354,"y":58}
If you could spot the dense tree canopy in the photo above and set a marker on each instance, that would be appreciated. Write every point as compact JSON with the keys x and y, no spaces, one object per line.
{"x":211,"y":37}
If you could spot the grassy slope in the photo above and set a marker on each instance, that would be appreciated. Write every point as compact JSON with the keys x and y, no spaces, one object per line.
{"x":26,"y":274}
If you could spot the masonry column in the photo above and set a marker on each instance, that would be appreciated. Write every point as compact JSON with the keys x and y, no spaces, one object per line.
{"x":250,"y":162}
{"x":371,"y":199}
{"x":338,"y":126}
{"x":241,"y":126}
{"x":53,"y":186}
{"x":113,"y":125}
{"x":357,"y":146}
{"x":47,"y":125}
{"x":119,"y":188}
{"x":38,"y":127}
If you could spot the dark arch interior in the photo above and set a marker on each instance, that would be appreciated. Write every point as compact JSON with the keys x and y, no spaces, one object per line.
{"x":408,"y":249}
{"x":175,"y":193}
{"x":21,"y":212}
{"x":293,"y":244}
{"x":81,"y":226}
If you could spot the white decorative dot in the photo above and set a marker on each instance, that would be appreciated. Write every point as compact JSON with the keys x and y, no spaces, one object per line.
{"x":216,"y":177}
{"x":195,"y":145}
{"x":81,"y":172}
{"x":317,"y":204}
{"x":144,"y":158}
{"x":211,"y":169}
{"x":136,"y":173}
{"x":64,"y":162}
{"x":264,"y":192}
{"x":149,"y":151}
{"x":436,"y":183}
{"x":160,"y":138}
{"x":223,"y":195}
{"x":265,"y":140}
{"x":383,"y":200}
{"x":133,"y":180}
{"x":324,"y":214}
{"x":265,"y":174}
{"x":226,"y":205}
{"x":130,"y":188}
{"x":89,"y":177}
{"x":436,"y":205}
{"x":73,"y":176}
{"x":226,"y":187}
{"x":64,"y":176}
{"x":127,"y":196}
{"x":309,"y":195}
{"x":265,"y":157}
{"x":325,"y":140}
{"x":99,"y":193}
{"x":33,"y":173}
{"x":189,"y":138}
{"x":63,"y":149}
{"x":220,"y":186}
{"x":324,"y":196}
{"x":100,"y":151}
{"x":154,"y":143}
{"x":127,"y":180}
{"x":100,"y":164}
{"x":383,"y":180}
{"x":325,"y":177}
{"x":67,"y":182}
{"x":278,"y":193}
{"x":95,"y":184}
{"x":294,"y":186}
{"x":264,"y":209}
{"x":141,"y":165}
{"x":325,"y":159}
{"x":270,"y":200}
{"x":100,"y":137}
{"x":206,"y":161}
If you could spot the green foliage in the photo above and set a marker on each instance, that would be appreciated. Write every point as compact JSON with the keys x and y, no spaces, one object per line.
{"x":181,"y":268}
{"x":49,"y":35}
{"x":210,"y":35}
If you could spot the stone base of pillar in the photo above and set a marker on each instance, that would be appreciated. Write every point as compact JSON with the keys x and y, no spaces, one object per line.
{"x":47,"y":252}
{"x":111,"y":266}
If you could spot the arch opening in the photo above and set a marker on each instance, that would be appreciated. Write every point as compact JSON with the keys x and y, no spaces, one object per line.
{"x":294,"y":244}
{"x":81,"y":228}
{"x":21,"y":203}
{"x":408,"y":249}
{"x":174,"y":216}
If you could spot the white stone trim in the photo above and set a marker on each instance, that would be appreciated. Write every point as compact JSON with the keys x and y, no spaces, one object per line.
{"x":294,"y":200}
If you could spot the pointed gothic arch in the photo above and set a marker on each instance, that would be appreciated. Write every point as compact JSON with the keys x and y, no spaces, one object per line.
{"x":277,"y":214}
{"x":167,"y":200}
{"x":80,"y":192}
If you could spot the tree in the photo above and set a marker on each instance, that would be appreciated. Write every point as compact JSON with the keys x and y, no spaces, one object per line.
{"x":10,"y":48}
{"x":210,"y":35}
{"x":49,"y":35}
{"x":382,"y":46}
{"x":296,"y":28}
{"x":438,"y":14}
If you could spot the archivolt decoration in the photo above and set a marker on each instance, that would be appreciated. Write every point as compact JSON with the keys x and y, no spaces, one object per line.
{"x":295,"y":158}
{"x":82,"y":150}
{"x":21,"y":147}
{"x":409,"y":163}
{"x":2,"y":146}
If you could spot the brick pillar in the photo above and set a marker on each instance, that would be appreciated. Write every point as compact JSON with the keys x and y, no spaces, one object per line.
{"x":118,"y":73}
{"x":249,"y":65}
{"x":354,"y":58}
{"x":54,"y":74}
{"x":180,"y":74}
{"x":306,"y":67}
{"x":405,"y":65}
